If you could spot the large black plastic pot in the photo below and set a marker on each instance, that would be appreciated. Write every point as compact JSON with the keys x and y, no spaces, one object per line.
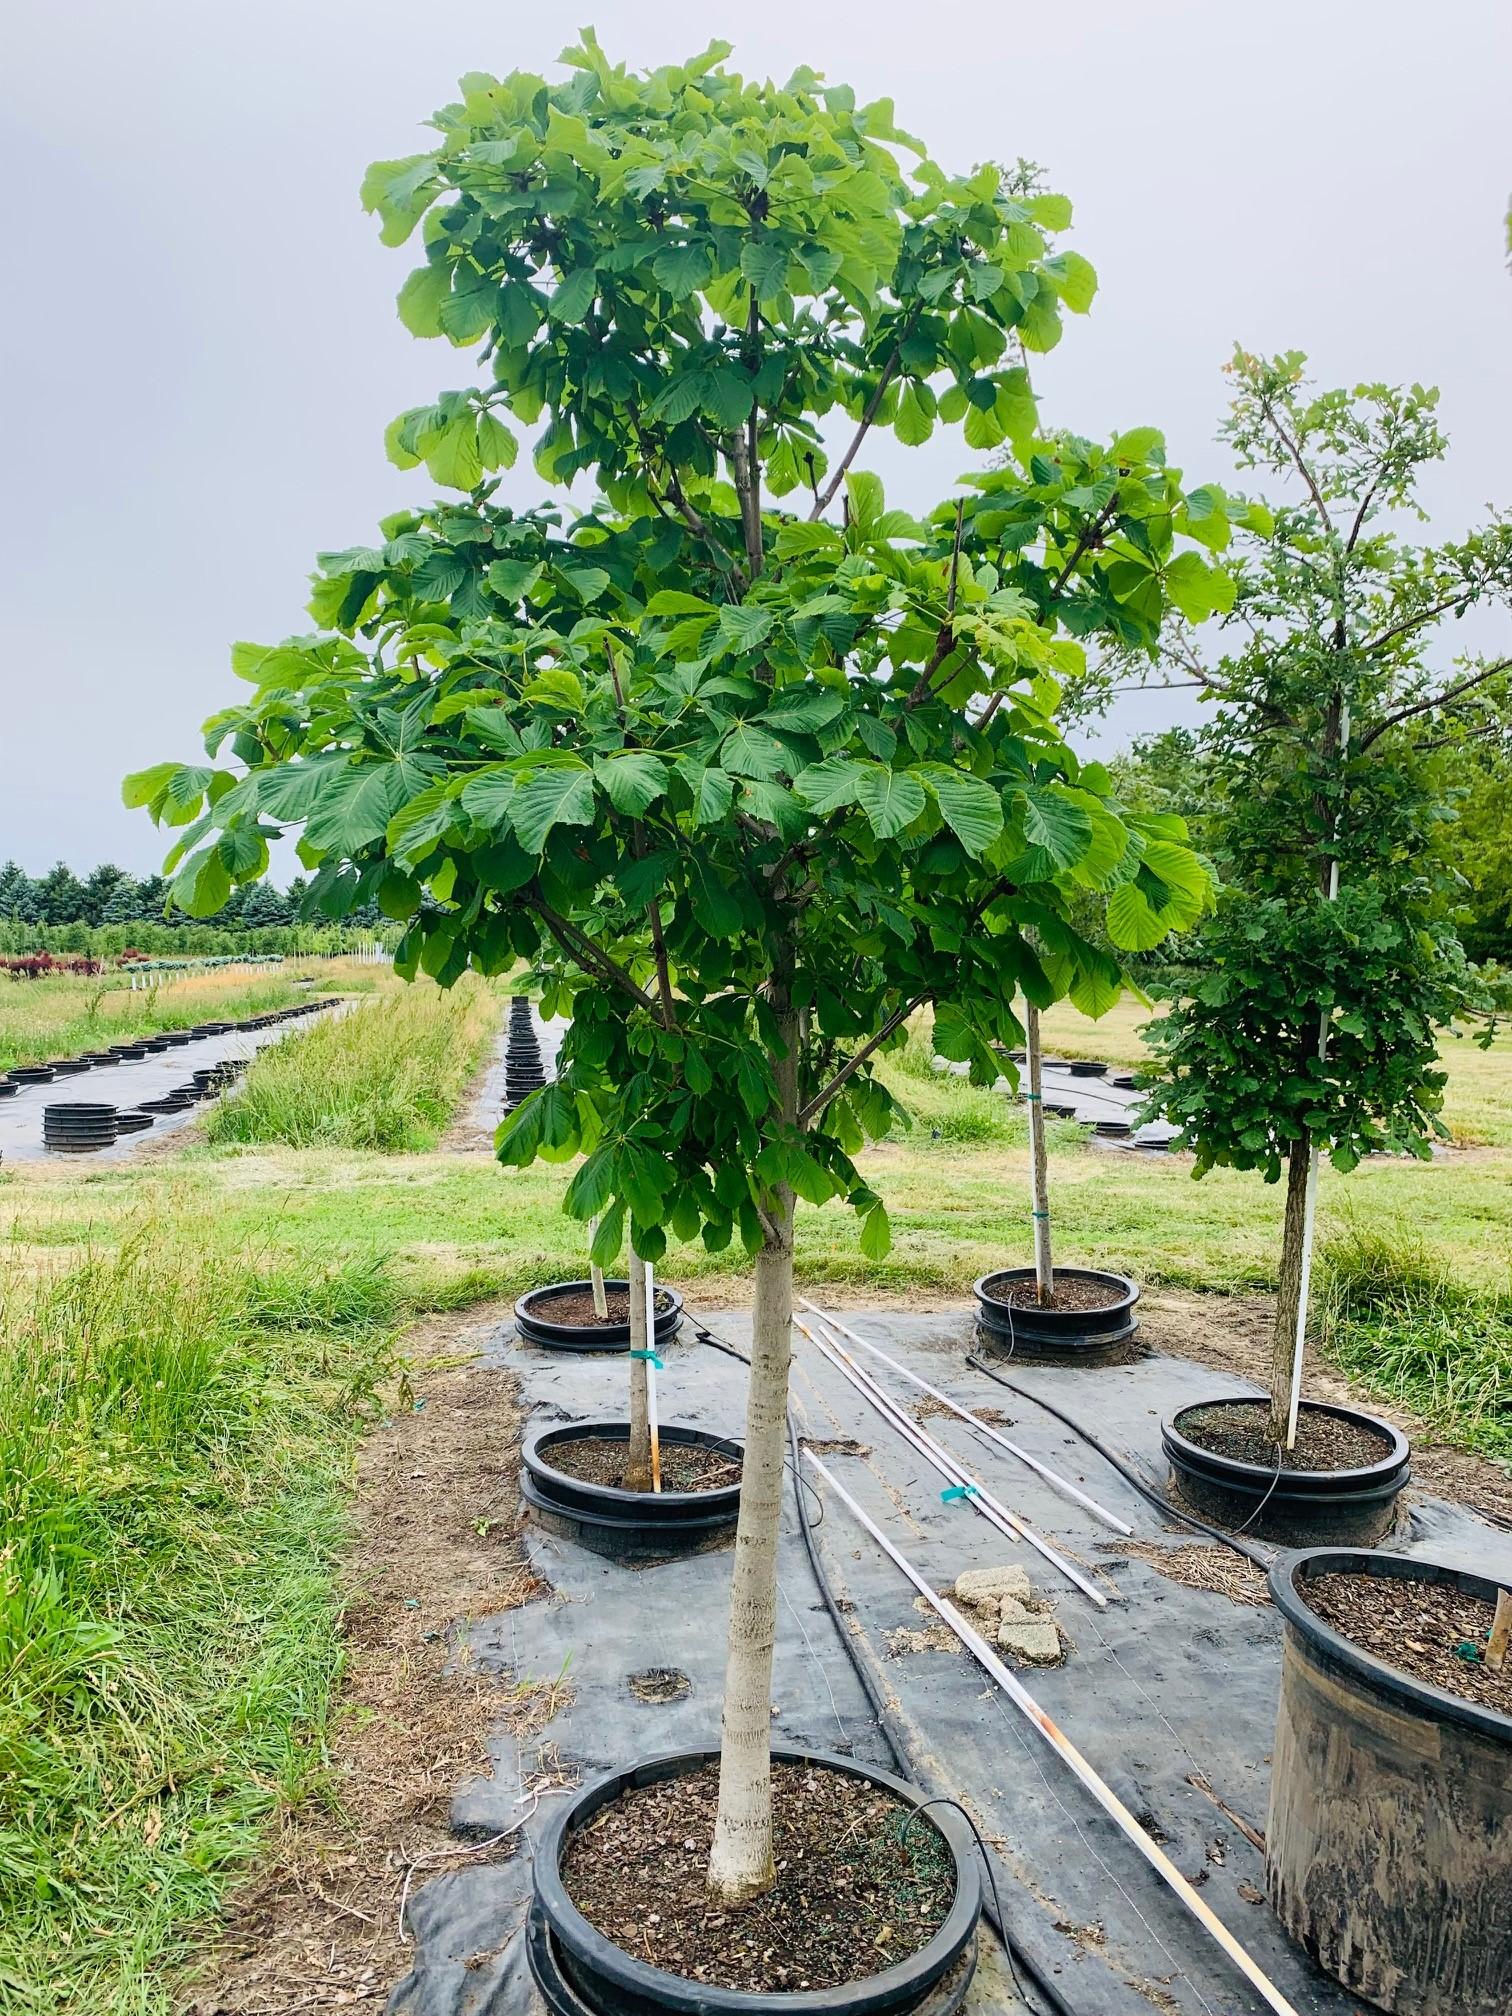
{"x":1297,"y":1507}
{"x":626,"y":1524}
{"x":1389,"y":1842}
{"x":536,"y":1328}
{"x":31,"y":1074}
{"x":1058,"y":1336}
{"x":607,"y":1980}
{"x":69,"y":1067}
{"x":7,"y":1089}
{"x":79,"y":1128}
{"x":133,"y":1123}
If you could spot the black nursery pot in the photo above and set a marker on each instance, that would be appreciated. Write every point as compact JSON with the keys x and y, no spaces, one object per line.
{"x":1389,"y":1840}
{"x":626,"y":1524}
{"x":577,"y":1969}
{"x":1298,"y":1507}
{"x":78,"y":1128}
{"x":536,"y":1326}
{"x":31,"y":1074}
{"x":1055,"y":1336}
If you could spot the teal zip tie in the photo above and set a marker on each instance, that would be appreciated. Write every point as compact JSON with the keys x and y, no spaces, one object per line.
{"x":958,"y":1491}
{"x":1039,"y":1214}
{"x":1037,"y":1097}
{"x":650,"y":1358}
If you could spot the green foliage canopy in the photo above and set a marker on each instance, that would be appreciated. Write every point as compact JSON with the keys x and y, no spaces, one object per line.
{"x":744,"y":785}
{"x":1324,"y":764}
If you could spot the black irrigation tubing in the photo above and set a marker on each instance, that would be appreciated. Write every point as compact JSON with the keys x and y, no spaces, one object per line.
{"x":1257,"y":1555}
{"x":887,"y":1722}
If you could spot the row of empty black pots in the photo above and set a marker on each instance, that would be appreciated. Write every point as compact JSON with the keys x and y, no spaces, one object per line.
{"x":83,"y":1127}
{"x":145,"y":1046}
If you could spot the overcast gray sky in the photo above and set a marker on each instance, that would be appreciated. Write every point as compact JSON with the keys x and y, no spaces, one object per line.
{"x":200,"y":349}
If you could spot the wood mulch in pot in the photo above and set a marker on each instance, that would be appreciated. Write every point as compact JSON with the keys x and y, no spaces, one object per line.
{"x":685,"y":1466}
{"x":575,"y":1306}
{"x":855,"y":1893}
{"x":1071,"y":1291}
{"x":1242,"y":1430}
{"x":1417,"y":1627}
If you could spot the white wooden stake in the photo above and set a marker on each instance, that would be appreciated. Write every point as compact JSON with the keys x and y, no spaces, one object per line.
{"x":1067,"y":1751}
{"x":1039,"y":1171}
{"x":648,"y":1280}
{"x":1310,"y":1202}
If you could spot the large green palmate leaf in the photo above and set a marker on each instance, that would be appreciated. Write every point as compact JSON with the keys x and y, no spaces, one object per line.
{"x":560,"y":796}
{"x":1056,"y":823}
{"x":969,"y":806}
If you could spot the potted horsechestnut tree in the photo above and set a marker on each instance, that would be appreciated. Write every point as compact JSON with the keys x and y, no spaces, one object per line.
{"x":747,"y":765}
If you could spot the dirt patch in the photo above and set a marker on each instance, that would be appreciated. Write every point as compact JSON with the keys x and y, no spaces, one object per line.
{"x":856,"y":1891}
{"x":928,"y":1408}
{"x":1214,"y":1568}
{"x":1232,"y":1333}
{"x":660,"y":1683}
{"x":575,"y":1306}
{"x":684,"y":1467}
{"x":1242,"y":1432}
{"x":433,"y":1542}
{"x":1433,"y":1631}
{"x":1071,"y":1291}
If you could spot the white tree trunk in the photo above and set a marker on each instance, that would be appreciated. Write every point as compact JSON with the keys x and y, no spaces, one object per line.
{"x":1039,"y":1169}
{"x":740,"y":1862}
{"x":1291,"y":1289}
{"x":638,"y":1462}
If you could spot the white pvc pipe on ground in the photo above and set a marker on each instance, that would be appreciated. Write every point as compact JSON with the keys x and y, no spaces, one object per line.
{"x":956,"y":1476}
{"x":1067,"y":1751}
{"x":965,"y":1414}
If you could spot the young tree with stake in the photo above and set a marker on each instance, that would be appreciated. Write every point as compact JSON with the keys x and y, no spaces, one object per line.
{"x":747,"y":765}
{"x":1334,"y":962}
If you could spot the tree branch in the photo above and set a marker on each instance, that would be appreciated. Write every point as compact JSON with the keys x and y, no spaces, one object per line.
{"x":592,"y":958}
{"x":1300,"y":465}
{"x":825,"y":497}
{"x":945,"y":642}
{"x":1090,"y":534}
{"x":1434,"y":700}
{"x":857,"y":1058}
{"x":1453,"y":602}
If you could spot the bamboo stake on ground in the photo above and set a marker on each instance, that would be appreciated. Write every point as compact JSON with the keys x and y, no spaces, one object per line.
{"x":965,"y":1414}
{"x":956,"y":1476}
{"x":1067,"y":1751}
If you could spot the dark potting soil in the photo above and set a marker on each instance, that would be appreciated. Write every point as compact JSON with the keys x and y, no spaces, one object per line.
{"x":1416,"y":1627}
{"x":684,"y":1466}
{"x":1070,"y":1292}
{"x":855,"y":1893}
{"x":1324,"y":1442}
{"x":575,"y":1305}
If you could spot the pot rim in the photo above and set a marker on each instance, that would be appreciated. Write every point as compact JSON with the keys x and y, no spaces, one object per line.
{"x":1130,"y":1287}
{"x":610,"y":1430}
{"x":680,"y":1992}
{"x":1399,"y":1687}
{"x":1240,"y":1472}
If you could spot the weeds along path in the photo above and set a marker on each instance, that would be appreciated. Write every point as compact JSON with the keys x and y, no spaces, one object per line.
{"x":433,"y":1543}
{"x":387,"y":1076}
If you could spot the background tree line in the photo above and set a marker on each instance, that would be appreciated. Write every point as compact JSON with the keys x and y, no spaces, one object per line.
{"x":108,"y":909}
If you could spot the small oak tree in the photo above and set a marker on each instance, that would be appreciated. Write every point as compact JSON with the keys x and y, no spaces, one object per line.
{"x":1333,"y":961}
{"x":746,"y":782}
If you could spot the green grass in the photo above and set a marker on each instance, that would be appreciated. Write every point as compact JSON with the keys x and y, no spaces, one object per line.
{"x":385,"y":1076}
{"x":65,"y":1016}
{"x":176,"y":1435}
{"x":1398,"y":1316}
